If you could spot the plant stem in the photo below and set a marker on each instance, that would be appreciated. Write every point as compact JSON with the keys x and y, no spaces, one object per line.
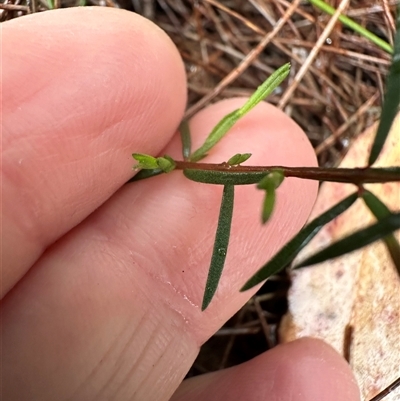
{"x":356,"y":176}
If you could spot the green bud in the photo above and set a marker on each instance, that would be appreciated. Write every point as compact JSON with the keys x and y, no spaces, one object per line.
{"x":166,"y":163}
{"x":238,"y":158}
{"x":145,"y":161}
{"x":271,"y":181}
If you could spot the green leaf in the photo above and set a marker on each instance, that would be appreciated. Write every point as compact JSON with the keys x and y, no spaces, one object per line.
{"x":220,"y":130}
{"x":144,"y":174}
{"x":186,"y":139}
{"x":380,"y":211}
{"x":377,"y":207}
{"x":145,"y":161}
{"x":268,"y":205}
{"x":217,"y":133}
{"x":265,"y":89}
{"x":269,"y":183}
{"x":238,"y":159}
{"x":151,"y":166}
{"x":220,"y":245}
{"x":353,"y":25}
{"x":224,"y":177}
{"x":355,"y":241}
{"x":272,"y":180}
{"x":297,"y":243}
{"x":392,"y":99}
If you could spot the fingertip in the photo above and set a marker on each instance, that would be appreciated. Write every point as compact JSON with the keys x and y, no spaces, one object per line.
{"x":315,"y":369}
{"x":304,"y":370}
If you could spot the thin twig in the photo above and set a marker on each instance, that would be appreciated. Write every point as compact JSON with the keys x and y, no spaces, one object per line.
{"x":387,"y":390}
{"x":356,"y":176}
{"x":342,"y":129}
{"x":321,"y":40}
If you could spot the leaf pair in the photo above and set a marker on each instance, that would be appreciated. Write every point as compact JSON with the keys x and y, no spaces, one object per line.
{"x":166,"y":164}
{"x":386,"y":224}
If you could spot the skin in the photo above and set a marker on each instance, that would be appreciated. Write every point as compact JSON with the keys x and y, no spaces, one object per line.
{"x":102,"y":283}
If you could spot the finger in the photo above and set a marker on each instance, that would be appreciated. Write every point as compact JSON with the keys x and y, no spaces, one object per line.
{"x":305,"y":370}
{"x":112,"y":309}
{"x":82,"y":89}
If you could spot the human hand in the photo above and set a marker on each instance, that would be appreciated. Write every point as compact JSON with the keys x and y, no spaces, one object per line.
{"x":102,"y":283}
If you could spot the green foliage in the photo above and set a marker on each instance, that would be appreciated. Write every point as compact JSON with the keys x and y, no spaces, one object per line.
{"x":227,"y":177}
{"x":269,"y":184}
{"x":392,"y":99}
{"x":186,"y":139}
{"x":166,"y":164}
{"x":269,"y":178}
{"x":220,"y":130}
{"x":353,"y":25}
{"x":289,"y":251}
{"x":144,"y":161}
{"x":239,"y":158}
{"x":220,"y":245}
{"x":356,"y":241}
{"x":381,"y":211}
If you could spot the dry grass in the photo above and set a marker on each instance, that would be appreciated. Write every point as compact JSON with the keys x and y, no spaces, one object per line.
{"x":229,"y":47}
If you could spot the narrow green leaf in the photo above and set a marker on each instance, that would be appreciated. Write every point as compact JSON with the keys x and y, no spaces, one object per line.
{"x":269,"y":184}
{"x":268,"y":205}
{"x":238,"y":159}
{"x":144,"y":161}
{"x":392,"y":99}
{"x":353,"y":25}
{"x":220,"y":245}
{"x":186,"y":139}
{"x":377,"y":207}
{"x":394,"y":250}
{"x":144,"y":174}
{"x":297,"y":243}
{"x":220,"y":130}
{"x":355,"y":241}
{"x":266,"y":88}
{"x":216,"y":135}
{"x":224,"y":177}
{"x":380,"y":211}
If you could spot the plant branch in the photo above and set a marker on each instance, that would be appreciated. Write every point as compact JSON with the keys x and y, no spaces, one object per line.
{"x":356,"y":176}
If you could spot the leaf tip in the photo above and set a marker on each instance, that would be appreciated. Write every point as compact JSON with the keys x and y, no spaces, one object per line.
{"x":206,"y":302}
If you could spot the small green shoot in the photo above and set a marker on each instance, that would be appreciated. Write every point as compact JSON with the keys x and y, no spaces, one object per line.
{"x":230,"y":119}
{"x":166,"y":164}
{"x":239,"y":158}
{"x":269,"y":184}
{"x":144,"y":161}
